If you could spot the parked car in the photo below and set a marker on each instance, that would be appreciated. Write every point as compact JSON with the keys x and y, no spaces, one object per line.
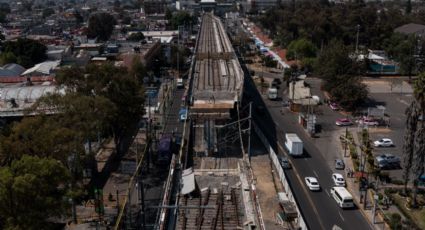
{"x":343,"y":122}
{"x":389,"y":158}
{"x":339,"y":164}
{"x":384,"y":142}
{"x":276,"y":81}
{"x":368,"y":121}
{"x":286,"y":103}
{"x":334,"y":106}
{"x":312,"y":183}
{"x":338,"y":179}
{"x":284,"y":162}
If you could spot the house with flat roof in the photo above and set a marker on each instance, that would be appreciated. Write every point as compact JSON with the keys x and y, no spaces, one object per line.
{"x":411,"y":29}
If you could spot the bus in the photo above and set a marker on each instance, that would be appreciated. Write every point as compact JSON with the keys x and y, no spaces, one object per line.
{"x":165,"y":146}
{"x":342,"y":197}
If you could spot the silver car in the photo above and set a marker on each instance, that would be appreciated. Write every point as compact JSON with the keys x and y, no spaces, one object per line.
{"x":339,"y":164}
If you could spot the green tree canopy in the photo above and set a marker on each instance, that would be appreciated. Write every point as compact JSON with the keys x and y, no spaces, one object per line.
{"x":47,"y":12}
{"x":321,"y":22}
{"x":136,"y":37}
{"x":27,"y":52}
{"x":341,"y":75}
{"x":301,"y":48}
{"x":101,"y":26}
{"x":181,"y":18}
{"x":402,"y":48}
{"x":32,"y":190}
{"x":120,"y":87}
{"x":38,"y":136}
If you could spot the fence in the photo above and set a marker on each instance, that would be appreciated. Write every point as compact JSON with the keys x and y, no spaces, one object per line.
{"x":273,"y":156}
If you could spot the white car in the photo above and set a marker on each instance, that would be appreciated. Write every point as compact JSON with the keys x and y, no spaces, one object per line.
{"x":312,"y":183}
{"x":384,"y":142}
{"x":338,"y":179}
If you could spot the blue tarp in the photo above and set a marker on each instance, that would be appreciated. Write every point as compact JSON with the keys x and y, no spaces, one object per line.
{"x":264,"y":49}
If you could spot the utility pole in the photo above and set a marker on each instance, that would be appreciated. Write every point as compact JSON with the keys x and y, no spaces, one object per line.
{"x":357,"y":39}
{"x":249,"y":131}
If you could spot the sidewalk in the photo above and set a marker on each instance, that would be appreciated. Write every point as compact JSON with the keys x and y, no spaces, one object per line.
{"x":353,"y":188}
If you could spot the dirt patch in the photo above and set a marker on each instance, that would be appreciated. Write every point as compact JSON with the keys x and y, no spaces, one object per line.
{"x":267,"y":189}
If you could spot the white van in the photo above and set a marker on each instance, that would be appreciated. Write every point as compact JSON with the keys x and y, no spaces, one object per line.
{"x":343,"y":198}
{"x":272,"y":93}
{"x":180,"y":83}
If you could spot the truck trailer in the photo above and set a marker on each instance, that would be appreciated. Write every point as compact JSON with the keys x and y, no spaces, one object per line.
{"x":294,"y":144}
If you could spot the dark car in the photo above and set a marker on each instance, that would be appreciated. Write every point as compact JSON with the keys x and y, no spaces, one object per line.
{"x":284,"y":162}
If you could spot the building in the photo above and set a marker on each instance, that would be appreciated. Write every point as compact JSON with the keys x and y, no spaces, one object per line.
{"x":145,"y":53}
{"x":46,"y":68}
{"x":411,"y":29}
{"x":152,"y":7}
{"x":261,"y":4}
{"x":11,"y":70}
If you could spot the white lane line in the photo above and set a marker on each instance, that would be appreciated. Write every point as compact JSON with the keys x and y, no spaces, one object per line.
{"x":305,"y":159}
{"x":341,"y":216}
{"x":327,"y":193}
{"x":315,"y":173}
{"x":297,"y":175}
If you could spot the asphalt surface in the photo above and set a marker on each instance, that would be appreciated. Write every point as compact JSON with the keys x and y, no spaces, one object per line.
{"x":318,"y":208}
{"x":154,"y":180}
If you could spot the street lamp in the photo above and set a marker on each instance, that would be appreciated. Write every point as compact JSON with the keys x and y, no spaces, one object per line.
{"x":357,"y":39}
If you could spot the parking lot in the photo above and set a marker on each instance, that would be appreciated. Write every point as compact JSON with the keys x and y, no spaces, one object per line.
{"x":395,"y":99}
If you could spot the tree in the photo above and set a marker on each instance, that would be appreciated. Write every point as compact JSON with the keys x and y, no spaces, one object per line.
{"x":136,"y":37}
{"x":47,"y":12}
{"x":101,"y":26}
{"x":7,"y":57}
{"x":138,"y":70}
{"x":340,"y":74}
{"x":181,"y":18}
{"x":115,"y":84}
{"x":415,"y":133}
{"x":301,"y":48}
{"x":32,"y":191}
{"x":28,"y":52}
{"x":38,"y":136}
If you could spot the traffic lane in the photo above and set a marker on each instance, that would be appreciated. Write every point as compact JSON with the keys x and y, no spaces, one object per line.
{"x":328,"y":211}
{"x":315,"y":165}
{"x":173,"y":119}
{"x":308,"y":210}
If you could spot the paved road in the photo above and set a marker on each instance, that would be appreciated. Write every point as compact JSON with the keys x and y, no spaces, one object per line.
{"x":318,"y":208}
{"x":155,"y":179}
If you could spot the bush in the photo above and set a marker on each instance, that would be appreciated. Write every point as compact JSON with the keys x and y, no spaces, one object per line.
{"x":389,"y":191}
{"x":397,"y":182}
{"x":395,"y":221}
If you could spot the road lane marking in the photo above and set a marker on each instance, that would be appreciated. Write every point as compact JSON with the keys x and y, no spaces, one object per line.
{"x":303,"y":188}
{"x":315,"y":173}
{"x":341,"y":216}
{"x":327,"y":193}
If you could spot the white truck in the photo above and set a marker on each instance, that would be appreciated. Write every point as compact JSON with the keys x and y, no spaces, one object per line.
{"x":180,"y":83}
{"x":294,"y":144}
{"x":272,"y":93}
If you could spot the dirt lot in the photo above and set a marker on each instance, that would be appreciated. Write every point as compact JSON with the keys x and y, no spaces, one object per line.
{"x":266,"y":189}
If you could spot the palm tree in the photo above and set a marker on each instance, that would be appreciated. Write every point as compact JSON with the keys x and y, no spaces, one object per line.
{"x":414,"y":138}
{"x":409,"y":141}
{"x":419,"y":153}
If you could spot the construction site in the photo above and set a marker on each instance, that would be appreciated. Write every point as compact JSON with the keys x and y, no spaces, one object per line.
{"x":225,"y":175}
